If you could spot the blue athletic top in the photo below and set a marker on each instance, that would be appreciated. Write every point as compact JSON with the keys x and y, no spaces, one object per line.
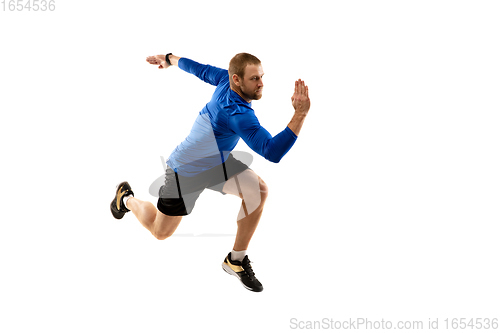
{"x":219,"y":126}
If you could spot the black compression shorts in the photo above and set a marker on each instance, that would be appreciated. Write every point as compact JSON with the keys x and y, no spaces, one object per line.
{"x":179,"y":194}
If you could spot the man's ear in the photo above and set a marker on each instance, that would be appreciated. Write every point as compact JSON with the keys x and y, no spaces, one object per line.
{"x":236,"y":80}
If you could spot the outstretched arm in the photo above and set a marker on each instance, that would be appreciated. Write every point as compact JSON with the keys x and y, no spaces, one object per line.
{"x":207,"y":73}
{"x":161,"y":61}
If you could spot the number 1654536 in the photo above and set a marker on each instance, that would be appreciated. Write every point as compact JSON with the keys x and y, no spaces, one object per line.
{"x":28,"y":5}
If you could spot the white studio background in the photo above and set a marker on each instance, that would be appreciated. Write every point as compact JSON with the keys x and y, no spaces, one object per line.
{"x":387,"y":207}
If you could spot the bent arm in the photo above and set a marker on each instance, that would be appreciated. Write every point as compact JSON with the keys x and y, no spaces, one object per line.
{"x":273,"y":149}
{"x":296,"y":123}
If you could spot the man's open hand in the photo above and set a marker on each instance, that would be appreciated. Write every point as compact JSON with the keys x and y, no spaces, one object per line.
{"x":300,"y":98}
{"x":158,"y":60}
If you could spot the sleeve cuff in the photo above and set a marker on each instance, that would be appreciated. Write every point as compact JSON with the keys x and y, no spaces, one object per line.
{"x":291,"y":132}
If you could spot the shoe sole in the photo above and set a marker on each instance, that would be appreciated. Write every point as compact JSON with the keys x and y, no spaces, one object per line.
{"x":229,"y":271}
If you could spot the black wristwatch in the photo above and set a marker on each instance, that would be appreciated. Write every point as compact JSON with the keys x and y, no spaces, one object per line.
{"x":168,"y":60}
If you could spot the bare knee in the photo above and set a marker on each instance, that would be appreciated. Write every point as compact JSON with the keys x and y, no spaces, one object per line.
{"x":255,"y":201}
{"x":162,"y":235}
{"x":164,"y":226}
{"x":264,"y":190}
{"x":254,"y":198}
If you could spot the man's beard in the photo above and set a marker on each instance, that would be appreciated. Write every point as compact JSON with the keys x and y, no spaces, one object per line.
{"x":254,"y":95}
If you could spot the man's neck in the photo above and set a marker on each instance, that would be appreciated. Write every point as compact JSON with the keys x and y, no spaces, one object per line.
{"x":240,"y":93}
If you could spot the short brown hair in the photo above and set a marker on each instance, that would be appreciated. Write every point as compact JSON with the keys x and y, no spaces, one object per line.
{"x":239,"y":62}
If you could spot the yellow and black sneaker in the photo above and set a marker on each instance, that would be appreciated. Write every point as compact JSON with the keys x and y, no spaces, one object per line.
{"x":118,"y":209}
{"x":243,"y":271}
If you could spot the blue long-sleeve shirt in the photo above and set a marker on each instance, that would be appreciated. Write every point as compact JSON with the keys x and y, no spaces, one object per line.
{"x":220,"y":125}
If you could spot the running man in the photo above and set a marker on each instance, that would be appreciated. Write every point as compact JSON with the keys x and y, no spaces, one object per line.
{"x":204,"y":160}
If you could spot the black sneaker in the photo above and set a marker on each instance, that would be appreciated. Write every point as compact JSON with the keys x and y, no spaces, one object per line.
{"x":118,"y":208}
{"x":243,"y":271}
